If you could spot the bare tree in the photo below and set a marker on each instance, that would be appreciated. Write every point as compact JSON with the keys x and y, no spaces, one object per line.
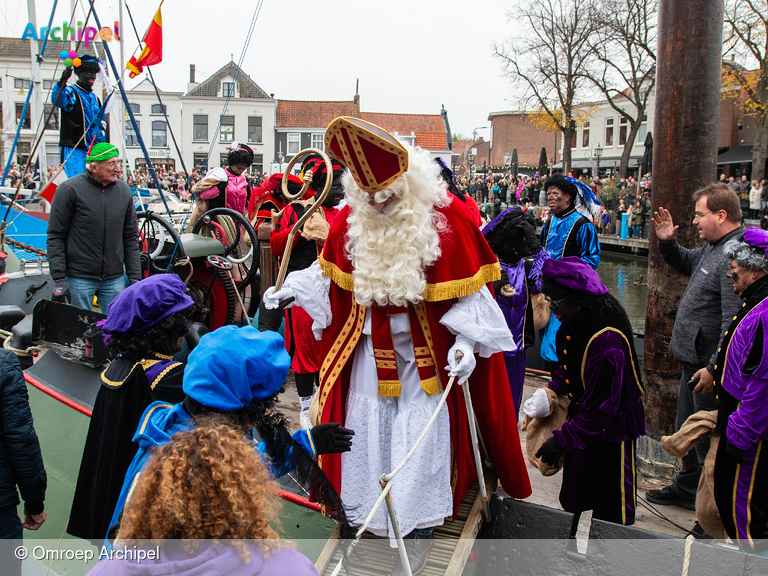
{"x":623,"y":61}
{"x":746,"y":34}
{"x":548,"y":60}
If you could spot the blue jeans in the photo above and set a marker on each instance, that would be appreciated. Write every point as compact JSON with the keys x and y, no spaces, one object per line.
{"x":84,"y":289}
{"x":636,"y":230}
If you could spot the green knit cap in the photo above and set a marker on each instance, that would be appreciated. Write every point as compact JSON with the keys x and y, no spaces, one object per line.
{"x":102,"y":151}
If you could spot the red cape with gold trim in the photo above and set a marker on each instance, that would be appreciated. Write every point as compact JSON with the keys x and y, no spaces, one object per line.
{"x":465,"y":266}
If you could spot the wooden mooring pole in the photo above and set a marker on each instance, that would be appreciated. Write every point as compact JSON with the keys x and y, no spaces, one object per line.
{"x":688,"y":72}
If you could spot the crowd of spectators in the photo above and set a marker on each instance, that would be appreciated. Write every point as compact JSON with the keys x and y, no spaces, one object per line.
{"x":497,"y":192}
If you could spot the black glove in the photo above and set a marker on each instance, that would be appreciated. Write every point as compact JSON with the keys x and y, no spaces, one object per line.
{"x":734,"y":453}
{"x":65,"y":76}
{"x":551,"y":452}
{"x":499,"y":284}
{"x":331,"y":438}
{"x":61,"y":291}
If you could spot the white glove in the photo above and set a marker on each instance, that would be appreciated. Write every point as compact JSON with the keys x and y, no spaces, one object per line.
{"x":272,"y":299}
{"x":464,"y":368}
{"x":537,"y":406}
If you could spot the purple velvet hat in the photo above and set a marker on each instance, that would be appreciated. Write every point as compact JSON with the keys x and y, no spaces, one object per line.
{"x":144,"y":304}
{"x":757,"y":238}
{"x":572,"y":272}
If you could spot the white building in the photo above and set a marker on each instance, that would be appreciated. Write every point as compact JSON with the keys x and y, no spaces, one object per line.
{"x":249,"y":118}
{"x":153,"y":126}
{"x":609,"y":130}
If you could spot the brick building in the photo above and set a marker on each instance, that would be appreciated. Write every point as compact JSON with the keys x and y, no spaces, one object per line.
{"x":510,"y":130}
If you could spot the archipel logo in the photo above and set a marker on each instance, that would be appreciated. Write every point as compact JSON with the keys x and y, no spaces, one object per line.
{"x":87,"y":34}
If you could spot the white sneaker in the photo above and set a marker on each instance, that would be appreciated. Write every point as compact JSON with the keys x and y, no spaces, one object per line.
{"x":304,"y":420}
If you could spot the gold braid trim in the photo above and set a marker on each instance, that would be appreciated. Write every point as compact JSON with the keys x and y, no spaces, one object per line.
{"x":343,"y":280}
{"x":160,"y":376}
{"x":431,"y":386}
{"x":433,"y":292}
{"x":390,"y":388}
{"x":465,"y":286}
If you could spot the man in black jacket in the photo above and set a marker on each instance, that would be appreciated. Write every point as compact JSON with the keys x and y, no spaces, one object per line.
{"x":92,"y":233}
{"x":21,"y":463}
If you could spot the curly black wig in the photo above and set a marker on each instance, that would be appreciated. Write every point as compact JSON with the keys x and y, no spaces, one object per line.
{"x":243,"y":155}
{"x":159,"y":339}
{"x":316,"y":163}
{"x":605,"y":305}
{"x":515,"y":231}
{"x":559,"y":181}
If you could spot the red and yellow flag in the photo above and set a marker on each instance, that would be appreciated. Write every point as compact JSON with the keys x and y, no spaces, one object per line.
{"x":153,"y":47}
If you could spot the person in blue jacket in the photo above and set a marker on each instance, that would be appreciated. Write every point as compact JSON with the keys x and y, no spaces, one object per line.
{"x":231,"y":378}
{"x":568,"y":232}
{"x":79,"y":114}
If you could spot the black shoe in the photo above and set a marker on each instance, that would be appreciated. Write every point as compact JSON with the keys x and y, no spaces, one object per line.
{"x":417,"y":547}
{"x":698,"y":532}
{"x":668,"y":496}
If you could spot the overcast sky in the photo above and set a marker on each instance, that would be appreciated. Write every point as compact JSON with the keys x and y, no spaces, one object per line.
{"x":411,"y":56}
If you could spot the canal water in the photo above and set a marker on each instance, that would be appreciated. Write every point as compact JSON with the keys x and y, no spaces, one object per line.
{"x":619,"y":272}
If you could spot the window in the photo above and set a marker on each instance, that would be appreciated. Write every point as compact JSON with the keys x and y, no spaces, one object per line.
{"x":200,"y":127}
{"x":258,"y":164}
{"x":46,"y":84}
{"x":318,"y":141}
{"x":159,"y":137}
{"x":585,"y":135}
{"x":223,"y":159}
{"x":135,"y":108}
{"x":131,"y":139}
{"x":227,"y":133}
{"x":623,"y":126}
{"x":643,"y":131}
{"x":52,"y":157}
{"x":200,"y":160}
{"x":22,"y":152}
{"x":228,"y":89}
{"x":20,"y":83}
{"x":1,"y":82}
{"x":609,"y":131}
{"x":294,"y":143}
{"x":53,"y":123}
{"x":19,"y":108}
{"x":254,"y":128}
{"x":158,"y":108}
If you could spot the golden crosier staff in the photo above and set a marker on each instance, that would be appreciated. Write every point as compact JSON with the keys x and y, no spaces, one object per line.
{"x":300,"y":194}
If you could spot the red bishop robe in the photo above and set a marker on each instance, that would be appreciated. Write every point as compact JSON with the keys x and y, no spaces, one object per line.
{"x":466,"y":264}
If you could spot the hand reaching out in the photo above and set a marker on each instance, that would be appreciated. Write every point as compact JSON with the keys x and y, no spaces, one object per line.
{"x":662,"y":223}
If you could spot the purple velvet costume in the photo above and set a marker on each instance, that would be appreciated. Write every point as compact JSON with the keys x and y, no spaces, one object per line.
{"x":741,"y":385}
{"x":600,"y":373}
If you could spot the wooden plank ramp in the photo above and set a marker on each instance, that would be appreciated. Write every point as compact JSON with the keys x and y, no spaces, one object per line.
{"x":453,"y":543}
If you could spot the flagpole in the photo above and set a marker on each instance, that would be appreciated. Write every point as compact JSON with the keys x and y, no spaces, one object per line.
{"x":37,"y":96}
{"x":131,"y":116}
{"x":121,"y":104}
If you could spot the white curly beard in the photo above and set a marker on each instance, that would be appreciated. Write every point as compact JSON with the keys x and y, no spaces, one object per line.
{"x":390,"y":248}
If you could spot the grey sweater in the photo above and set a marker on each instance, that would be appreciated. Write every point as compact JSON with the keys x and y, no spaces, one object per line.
{"x":709,"y":303}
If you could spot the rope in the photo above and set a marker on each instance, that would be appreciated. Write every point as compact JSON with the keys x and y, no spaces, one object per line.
{"x":31,"y":351}
{"x":687,"y":557}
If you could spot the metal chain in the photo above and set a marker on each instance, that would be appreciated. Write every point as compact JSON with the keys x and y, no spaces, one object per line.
{"x":31,"y":249}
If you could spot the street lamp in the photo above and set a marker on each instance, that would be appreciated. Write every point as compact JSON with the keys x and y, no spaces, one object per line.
{"x":598,"y":153}
{"x":280,"y":156}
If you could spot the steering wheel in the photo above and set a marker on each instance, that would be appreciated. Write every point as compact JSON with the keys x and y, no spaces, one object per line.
{"x":245,"y":262}
{"x":219,"y":262}
{"x":160,"y":243}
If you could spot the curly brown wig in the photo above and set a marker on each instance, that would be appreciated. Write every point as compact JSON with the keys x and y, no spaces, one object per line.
{"x":205,"y":484}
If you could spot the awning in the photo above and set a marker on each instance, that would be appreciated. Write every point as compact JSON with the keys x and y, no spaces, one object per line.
{"x":739,"y":155}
